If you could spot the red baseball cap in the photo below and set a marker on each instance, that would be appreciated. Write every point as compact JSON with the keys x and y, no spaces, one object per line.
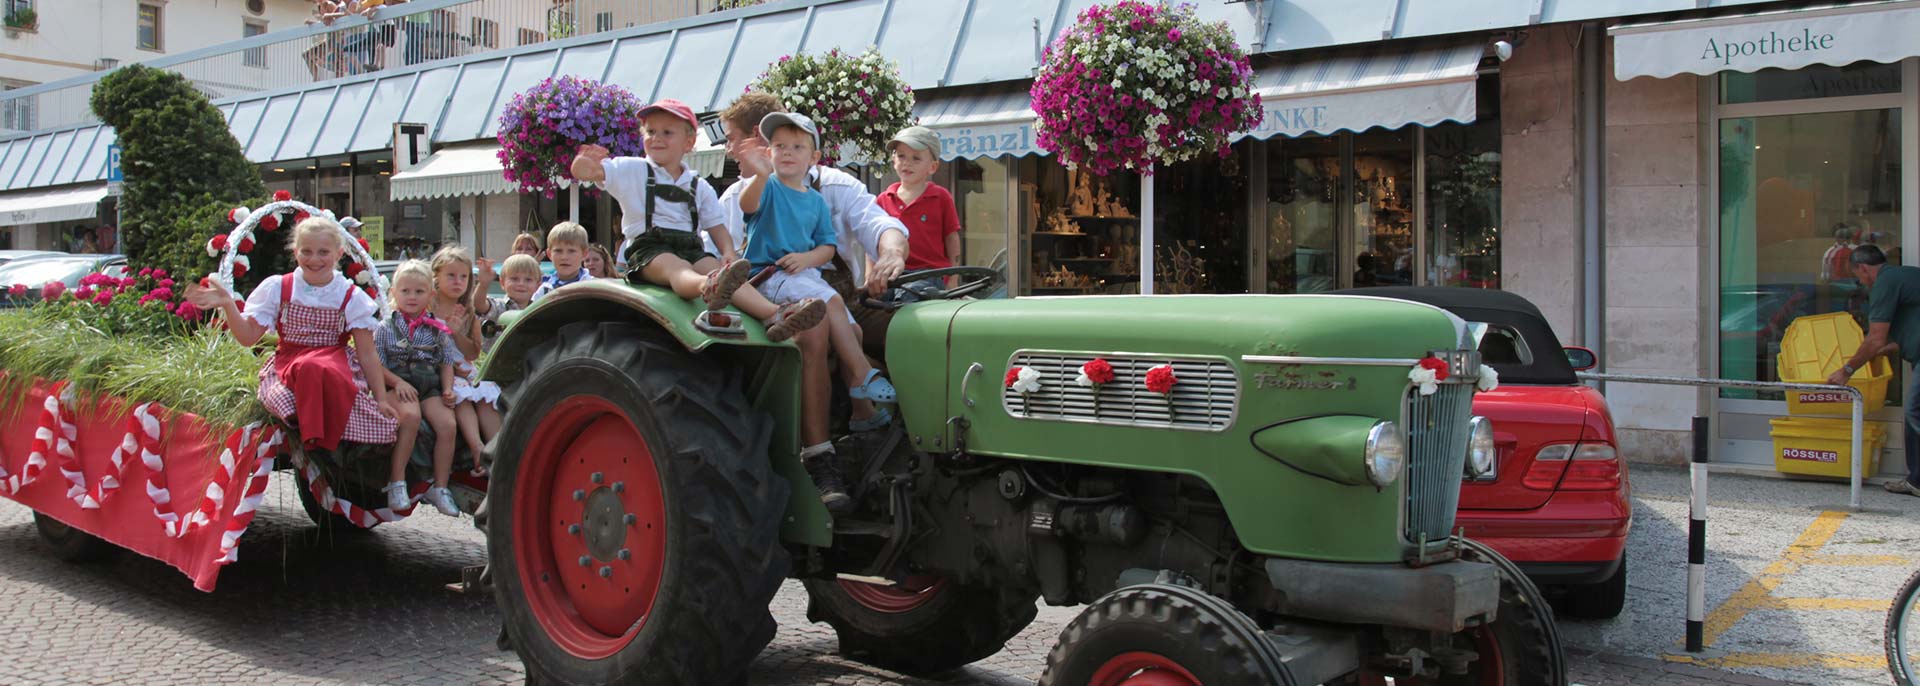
{"x":675,"y":108}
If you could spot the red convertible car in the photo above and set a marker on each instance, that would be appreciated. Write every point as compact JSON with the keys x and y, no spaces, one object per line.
{"x":1557,"y":501}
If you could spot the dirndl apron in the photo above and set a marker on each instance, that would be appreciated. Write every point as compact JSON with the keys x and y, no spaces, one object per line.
{"x":314,"y":380}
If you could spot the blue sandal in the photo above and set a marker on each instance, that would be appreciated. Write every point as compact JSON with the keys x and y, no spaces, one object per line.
{"x":880,"y":419}
{"x":876,"y":388}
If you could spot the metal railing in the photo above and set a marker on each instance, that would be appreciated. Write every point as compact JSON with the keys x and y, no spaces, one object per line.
{"x":399,"y":36}
{"x":1859,"y":407}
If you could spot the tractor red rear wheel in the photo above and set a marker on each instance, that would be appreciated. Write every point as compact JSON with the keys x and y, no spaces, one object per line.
{"x":633,"y":516}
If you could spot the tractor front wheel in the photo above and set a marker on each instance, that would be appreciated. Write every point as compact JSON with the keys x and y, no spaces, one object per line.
{"x":70,"y":544}
{"x":1520,"y":648}
{"x":923,"y":625}
{"x":633,"y":524}
{"x":1163,"y":635}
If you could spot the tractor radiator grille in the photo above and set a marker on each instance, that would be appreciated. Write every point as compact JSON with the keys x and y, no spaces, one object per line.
{"x":1436,"y":455}
{"x":1205,"y":398}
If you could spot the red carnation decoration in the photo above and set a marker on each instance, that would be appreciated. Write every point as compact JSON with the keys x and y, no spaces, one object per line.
{"x":246,"y":245}
{"x":372,"y":293}
{"x":219,"y":242}
{"x":270,"y":222}
{"x":237,"y":215}
{"x":354,"y":268}
{"x":364,"y":245}
{"x":1098,"y":371}
{"x":300,"y":216}
{"x":282,"y":196}
{"x":1161,"y":379}
{"x":1013,"y":374}
{"x":1439,"y":367}
{"x":239,"y":270}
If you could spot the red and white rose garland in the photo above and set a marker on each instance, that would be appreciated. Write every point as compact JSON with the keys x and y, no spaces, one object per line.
{"x":1430,"y":372}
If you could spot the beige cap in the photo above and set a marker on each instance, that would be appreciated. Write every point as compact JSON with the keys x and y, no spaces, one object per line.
{"x":918,"y":138}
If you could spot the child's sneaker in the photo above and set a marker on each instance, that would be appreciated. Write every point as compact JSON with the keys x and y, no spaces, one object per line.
{"x":826,"y":477}
{"x":793,"y":318}
{"x":442,"y":500}
{"x":397,"y":498}
{"x":722,"y":282}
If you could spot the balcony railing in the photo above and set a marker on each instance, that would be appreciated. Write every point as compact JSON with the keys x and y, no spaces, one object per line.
{"x":400,"y":36}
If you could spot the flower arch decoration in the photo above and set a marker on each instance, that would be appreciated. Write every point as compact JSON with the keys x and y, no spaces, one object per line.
{"x":1134,"y":84}
{"x":234,"y":246}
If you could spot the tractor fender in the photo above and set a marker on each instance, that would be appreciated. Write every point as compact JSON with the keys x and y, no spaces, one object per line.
{"x":609,"y":300}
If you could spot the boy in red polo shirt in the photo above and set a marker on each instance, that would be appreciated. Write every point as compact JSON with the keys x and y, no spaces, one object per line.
{"x":933,"y":226}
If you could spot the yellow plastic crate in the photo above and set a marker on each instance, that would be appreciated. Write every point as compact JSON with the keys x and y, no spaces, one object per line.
{"x":1816,"y":345}
{"x":1818,"y":446}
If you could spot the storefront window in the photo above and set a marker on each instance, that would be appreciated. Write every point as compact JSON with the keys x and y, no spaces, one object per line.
{"x":1083,"y":231}
{"x":1816,"y":81}
{"x":980,"y":196}
{"x":1200,"y":225}
{"x":1303,"y":179}
{"x":1463,"y":198}
{"x":1798,"y":193}
{"x":1382,"y":207}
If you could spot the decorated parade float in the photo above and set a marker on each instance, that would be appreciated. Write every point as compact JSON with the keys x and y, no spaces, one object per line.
{"x":1245,"y":491}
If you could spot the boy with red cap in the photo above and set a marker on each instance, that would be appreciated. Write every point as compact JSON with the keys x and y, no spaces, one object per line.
{"x":666,"y":205}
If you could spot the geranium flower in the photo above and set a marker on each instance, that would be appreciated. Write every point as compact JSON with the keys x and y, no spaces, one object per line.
{"x":52,"y":290}
{"x":187,"y":311}
{"x":1094,"y":373}
{"x":103,"y":297}
{"x":18,"y":290}
{"x":1161,"y":380}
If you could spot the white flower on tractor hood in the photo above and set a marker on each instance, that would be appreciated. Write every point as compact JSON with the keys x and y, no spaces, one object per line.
{"x":1489,"y":379}
{"x":1026,"y":381}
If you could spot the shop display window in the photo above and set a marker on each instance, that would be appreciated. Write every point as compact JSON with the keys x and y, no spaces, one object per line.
{"x":1082,"y":232}
{"x":981,"y":197}
{"x":1304,"y":177}
{"x":1200,"y":224}
{"x":1382,"y":207}
{"x":1463,"y":198}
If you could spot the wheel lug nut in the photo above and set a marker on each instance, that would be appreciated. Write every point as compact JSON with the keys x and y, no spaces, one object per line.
{"x":619,"y":486}
{"x":579,"y":495}
{"x":606,"y":572}
{"x":598,"y":477}
{"x":573,"y":529}
{"x":630,"y":519}
{"x":625,"y":554}
{"x":585,"y":561}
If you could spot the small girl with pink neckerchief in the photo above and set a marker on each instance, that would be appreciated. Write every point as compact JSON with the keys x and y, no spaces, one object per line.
{"x":477,"y":411}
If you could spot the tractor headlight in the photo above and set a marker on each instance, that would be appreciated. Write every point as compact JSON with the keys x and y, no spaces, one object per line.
{"x":1480,"y":448}
{"x":1386,"y":453}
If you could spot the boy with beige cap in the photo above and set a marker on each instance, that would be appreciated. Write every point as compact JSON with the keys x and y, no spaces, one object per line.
{"x":933,"y":224}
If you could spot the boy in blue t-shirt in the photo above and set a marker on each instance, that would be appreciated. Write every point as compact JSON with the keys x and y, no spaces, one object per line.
{"x":789,"y":227}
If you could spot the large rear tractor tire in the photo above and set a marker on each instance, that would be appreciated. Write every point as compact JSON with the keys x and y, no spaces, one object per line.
{"x":925,"y":625}
{"x":70,"y":544}
{"x":633,"y":517}
{"x":1163,"y":635}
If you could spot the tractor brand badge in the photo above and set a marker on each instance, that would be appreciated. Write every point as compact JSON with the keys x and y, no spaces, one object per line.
{"x":1803,"y":454}
{"x":1294,"y":382}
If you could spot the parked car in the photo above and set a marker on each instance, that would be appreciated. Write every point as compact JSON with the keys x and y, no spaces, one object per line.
{"x":11,"y":255}
{"x":1558,"y":501}
{"x":36,"y":272}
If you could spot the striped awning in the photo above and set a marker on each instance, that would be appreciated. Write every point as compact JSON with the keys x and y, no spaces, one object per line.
{"x":985,"y":121}
{"x":454,"y":172}
{"x":1832,"y":34}
{"x":1388,"y":86}
{"x":45,"y":205}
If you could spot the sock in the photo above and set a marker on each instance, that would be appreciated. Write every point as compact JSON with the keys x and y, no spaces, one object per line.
{"x":817,"y":450}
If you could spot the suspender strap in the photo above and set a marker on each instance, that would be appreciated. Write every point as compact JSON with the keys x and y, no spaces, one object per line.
{"x":693,"y":203}
{"x":344,"y":301}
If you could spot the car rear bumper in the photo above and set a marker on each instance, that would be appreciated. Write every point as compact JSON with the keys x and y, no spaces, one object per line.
{"x":1575,"y":538}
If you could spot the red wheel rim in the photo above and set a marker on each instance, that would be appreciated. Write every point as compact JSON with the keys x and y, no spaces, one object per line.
{"x":906,"y":596}
{"x":1140,"y":668}
{"x":589,"y":526}
{"x":1492,"y":665}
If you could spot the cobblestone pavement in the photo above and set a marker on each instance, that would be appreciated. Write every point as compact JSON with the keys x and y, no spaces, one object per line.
{"x":370,"y":609}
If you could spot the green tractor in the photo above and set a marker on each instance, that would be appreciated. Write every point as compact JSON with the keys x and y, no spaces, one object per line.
{"x":1282,"y":514}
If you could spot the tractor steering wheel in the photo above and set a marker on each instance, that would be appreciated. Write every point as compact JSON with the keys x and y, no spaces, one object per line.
{"x":926,"y":284}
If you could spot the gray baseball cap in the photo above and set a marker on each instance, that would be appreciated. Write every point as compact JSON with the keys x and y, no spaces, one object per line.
{"x":774,"y":121}
{"x":918,"y":138}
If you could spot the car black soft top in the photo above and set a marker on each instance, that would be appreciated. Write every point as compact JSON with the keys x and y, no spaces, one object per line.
{"x":1548,"y":365}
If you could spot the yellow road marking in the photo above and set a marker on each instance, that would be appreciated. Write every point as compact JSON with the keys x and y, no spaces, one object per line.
{"x":1861,"y":560}
{"x":1757,"y":592}
{"x":1855,"y":604}
{"x":1785,"y":660}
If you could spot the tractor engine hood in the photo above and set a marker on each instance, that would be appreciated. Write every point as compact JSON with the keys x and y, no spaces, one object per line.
{"x":1241,"y":364}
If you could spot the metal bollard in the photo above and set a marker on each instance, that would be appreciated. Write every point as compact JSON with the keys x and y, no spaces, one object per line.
{"x":1697,"y":540}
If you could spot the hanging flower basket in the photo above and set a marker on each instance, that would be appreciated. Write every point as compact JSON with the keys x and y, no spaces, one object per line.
{"x":858,"y":101}
{"x":543,"y":126}
{"x":1134,"y":84}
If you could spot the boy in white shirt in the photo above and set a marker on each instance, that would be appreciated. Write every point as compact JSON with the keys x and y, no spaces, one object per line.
{"x":666,"y":206}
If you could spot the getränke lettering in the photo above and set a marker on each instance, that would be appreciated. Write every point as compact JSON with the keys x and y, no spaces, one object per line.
{"x":1771,"y":44}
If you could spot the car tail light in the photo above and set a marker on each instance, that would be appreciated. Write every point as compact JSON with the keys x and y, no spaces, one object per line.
{"x":1594,"y":467}
{"x":1548,"y":465}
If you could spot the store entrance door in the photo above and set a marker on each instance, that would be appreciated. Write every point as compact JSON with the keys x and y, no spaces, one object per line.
{"x":1340,"y":212}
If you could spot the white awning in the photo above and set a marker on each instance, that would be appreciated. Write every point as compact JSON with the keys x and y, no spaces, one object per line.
{"x":1389,"y":87}
{"x":453,"y":172}
{"x":51,"y":204}
{"x":1781,"y":39}
{"x":981,"y":122}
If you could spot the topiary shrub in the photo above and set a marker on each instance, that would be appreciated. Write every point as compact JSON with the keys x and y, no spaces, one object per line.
{"x":184,"y":172}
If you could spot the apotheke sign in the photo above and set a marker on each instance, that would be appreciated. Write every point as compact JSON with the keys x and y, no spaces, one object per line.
{"x":1877,"y":32}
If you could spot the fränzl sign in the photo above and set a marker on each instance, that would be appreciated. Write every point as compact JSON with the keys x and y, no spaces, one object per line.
{"x":1878,"y":32}
{"x":987,"y":140}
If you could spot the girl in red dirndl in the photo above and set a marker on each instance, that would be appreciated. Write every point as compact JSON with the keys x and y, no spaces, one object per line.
{"x":313,"y":378}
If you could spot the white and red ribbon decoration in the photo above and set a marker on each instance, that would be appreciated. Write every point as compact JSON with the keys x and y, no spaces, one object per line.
{"x":216,"y":495}
{"x":142,"y":440}
{"x":266,"y":441}
{"x":48,"y":436}
{"x":360,"y":516}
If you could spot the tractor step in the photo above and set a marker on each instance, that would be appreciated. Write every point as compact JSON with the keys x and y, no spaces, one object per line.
{"x":1316,"y":654}
{"x":847,"y":527}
